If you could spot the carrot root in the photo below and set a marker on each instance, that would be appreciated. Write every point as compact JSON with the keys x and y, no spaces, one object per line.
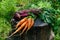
{"x":19,"y":28}
{"x":31,"y":24}
{"x":23,"y":30}
{"x":21,"y":22}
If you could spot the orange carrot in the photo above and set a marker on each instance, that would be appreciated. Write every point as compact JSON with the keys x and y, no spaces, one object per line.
{"x":24,"y":29}
{"x":21,"y":22}
{"x":31,"y":24}
{"x":19,"y":28}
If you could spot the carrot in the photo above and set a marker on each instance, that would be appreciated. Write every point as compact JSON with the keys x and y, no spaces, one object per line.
{"x":24,"y":30}
{"x":22,"y":21}
{"x":19,"y":28}
{"x":31,"y":24}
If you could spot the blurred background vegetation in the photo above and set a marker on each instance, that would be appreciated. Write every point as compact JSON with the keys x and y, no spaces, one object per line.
{"x":8,"y":7}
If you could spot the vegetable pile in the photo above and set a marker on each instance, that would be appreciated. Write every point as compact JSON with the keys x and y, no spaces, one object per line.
{"x":8,"y":7}
{"x":27,"y":20}
{"x":25,"y":23}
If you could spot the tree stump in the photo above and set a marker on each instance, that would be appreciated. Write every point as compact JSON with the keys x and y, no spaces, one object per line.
{"x":40,"y":31}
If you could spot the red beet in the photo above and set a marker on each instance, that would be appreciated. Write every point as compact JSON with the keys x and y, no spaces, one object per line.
{"x":24,"y":11}
{"x":17,"y":16}
{"x":22,"y":15}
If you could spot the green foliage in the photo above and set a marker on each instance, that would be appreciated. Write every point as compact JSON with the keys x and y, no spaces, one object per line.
{"x":7,"y":8}
{"x":57,"y":37}
{"x":50,"y":15}
{"x":4,"y":28}
{"x":47,"y":15}
{"x":43,"y":4}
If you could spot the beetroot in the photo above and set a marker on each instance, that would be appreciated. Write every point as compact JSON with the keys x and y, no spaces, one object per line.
{"x":17,"y":16}
{"x":24,"y":14}
{"x":24,"y":11}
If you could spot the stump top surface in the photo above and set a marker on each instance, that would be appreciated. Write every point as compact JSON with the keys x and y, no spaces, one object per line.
{"x":40,"y":23}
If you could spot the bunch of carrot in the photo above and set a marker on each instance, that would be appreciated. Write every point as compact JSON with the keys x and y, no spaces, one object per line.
{"x":25,"y":24}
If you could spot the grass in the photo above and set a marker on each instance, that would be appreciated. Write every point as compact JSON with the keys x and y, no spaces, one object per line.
{"x":8,"y":7}
{"x":4,"y":28}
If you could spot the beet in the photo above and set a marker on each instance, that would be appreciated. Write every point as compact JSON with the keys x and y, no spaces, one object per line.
{"x":24,"y":11}
{"x":17,"y":16}
{"x":26,"y":14}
